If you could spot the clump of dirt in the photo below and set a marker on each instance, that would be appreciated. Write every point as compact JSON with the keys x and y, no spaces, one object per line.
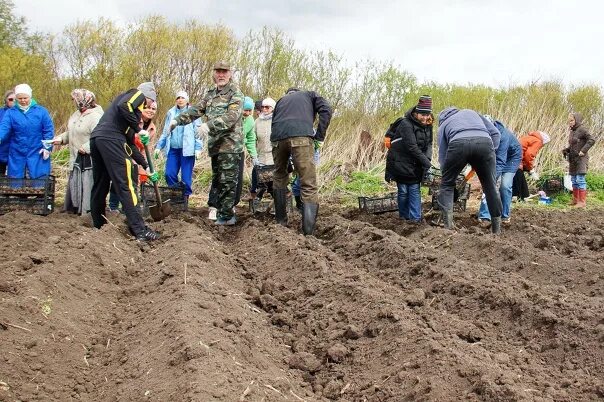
{"x":371,"y":308}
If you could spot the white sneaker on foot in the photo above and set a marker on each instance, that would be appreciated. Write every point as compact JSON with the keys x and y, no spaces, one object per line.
{"x":212,"y":214}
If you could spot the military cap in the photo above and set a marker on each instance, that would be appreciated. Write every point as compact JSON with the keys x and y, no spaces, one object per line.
{"x":222,"y":65}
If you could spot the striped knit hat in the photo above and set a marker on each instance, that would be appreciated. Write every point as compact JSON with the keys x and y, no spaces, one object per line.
{"x":424,"y":105}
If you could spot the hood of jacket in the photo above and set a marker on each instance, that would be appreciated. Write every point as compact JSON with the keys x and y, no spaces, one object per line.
{"x":446,"y":113}
{"x":578,"y":120}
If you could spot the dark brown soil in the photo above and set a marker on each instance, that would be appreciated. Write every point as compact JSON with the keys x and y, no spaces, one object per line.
{"x":371,"y":309}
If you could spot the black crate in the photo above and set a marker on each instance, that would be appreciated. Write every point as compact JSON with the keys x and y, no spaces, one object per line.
{"x":36,"y":196}
{"x":378,"y":205}
{"x":552,"y":184}
{"x":460,"y":198}
{"x":174,"y":194}
{"x":265,"y":173}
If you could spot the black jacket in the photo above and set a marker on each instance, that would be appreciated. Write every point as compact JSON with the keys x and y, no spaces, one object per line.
{"x":294,"y":116}
{"x":410,"y":151}
{"x":121,"y":121}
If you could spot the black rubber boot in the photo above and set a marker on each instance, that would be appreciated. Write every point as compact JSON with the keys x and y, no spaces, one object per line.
{"x":447,"y":216}
{"x":496,"y":225}
{"x":280,"y":196}
{"x":309,"y":218}
{"x":299,"y":203}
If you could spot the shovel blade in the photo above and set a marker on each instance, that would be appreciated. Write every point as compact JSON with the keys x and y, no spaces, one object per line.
{"x":159,"y":212}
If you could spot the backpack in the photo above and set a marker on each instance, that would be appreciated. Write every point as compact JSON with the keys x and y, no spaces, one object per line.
{"x":391,"y":131}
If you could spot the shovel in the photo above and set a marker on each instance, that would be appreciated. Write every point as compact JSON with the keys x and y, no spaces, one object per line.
{"x":161,"y":209}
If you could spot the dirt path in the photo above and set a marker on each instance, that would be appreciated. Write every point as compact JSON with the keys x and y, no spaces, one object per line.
{"x":371,"y":309}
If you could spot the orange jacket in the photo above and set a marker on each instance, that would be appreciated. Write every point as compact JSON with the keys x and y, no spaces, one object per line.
{"x":531,"y":144}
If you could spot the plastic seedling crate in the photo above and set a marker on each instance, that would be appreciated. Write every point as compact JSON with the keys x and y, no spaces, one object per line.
{"x":553,"y":184}
{"x":377,"y":205}
{"x":174,"y":194}
{"x":36,"y":196}
{"x":459,"y":201}
{"x":265,"y":173}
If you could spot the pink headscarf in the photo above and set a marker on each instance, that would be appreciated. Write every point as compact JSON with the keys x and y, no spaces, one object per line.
{"x":84,"y":99}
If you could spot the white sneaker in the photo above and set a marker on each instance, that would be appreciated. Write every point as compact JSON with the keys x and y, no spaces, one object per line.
{"x":212,"y":214}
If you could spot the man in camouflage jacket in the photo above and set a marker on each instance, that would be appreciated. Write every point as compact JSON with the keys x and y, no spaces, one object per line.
{"x":221,"y":110}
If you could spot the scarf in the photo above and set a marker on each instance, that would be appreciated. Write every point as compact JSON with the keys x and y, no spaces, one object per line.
{"x":84,"y":99}
{"x":265,"y":116}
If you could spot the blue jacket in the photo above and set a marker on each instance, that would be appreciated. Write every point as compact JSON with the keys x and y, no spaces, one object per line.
{"x":181,"y":137}
{"x":5,"y":144}
{"x":25,"y":131}
{"x":509,"y":152}
{"x":456,"y":124}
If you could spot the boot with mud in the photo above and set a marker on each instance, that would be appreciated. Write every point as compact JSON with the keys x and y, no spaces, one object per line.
{"x":309,"y":218}
{"x":280,"y":206}
{"x":447,"y":218}
{"x":496,"y":225}
{"x":581,"y":196}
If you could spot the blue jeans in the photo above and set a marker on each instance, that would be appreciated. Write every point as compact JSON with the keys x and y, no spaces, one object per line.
{"x":578,"y":181}
{"x":296,"y":184}
{"x":177,"y":162}
{"x":409,"y":202}
{"x":505,"y":193}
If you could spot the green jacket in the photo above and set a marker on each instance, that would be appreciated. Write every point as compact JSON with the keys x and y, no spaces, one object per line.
{"x":249,"y":135}
{"x":221,"y":110}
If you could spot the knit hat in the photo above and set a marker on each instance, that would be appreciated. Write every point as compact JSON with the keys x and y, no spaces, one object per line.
{"x":291,"y":89}
{"x":148,"y":89}
{"x":248,"y":103}
{"x":269,"y":102}
{"x":424,"y":105}
{"x":258,"y":105}
{"x":544,"y":137}
{"x":23,"y":89}
{"x":182,"y":94}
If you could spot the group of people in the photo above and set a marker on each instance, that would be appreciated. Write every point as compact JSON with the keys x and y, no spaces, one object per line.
{"x":107,"y":150}
{"x":107,"y":147}
{"x":498,"y":157}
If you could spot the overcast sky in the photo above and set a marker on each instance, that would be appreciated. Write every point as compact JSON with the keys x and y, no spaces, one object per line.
{"x":449,"y":41}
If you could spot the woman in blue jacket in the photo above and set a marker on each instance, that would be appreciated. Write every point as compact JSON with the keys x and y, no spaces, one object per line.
{"x":508,"y":157}
{"x":27,"y":124}
{"x":180,"y":146}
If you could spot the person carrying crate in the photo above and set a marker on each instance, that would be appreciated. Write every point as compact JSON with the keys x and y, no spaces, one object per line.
{"x":409,"y":157}
{"x":466,"y":137}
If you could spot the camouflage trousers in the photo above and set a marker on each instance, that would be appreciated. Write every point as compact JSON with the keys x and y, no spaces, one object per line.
{"x":225,"y":178}
{"x":302,"y":151}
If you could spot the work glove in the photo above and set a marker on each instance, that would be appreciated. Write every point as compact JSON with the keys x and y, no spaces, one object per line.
{"x":144,"y":136}
{"x":154,"y":177}
{"x":534,"y":175}
{"x":255,"y":161}
{"x":156,"y":153}
{"x":203,"y":130}
{"x":173,"y":124}
{"x":318,"y":144}
{"x":198,"y":154}
{"x":45,"y":154}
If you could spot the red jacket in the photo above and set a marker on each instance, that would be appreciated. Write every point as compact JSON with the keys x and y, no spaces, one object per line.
{"x":142,"y":174}
{"x":531,"y":144}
